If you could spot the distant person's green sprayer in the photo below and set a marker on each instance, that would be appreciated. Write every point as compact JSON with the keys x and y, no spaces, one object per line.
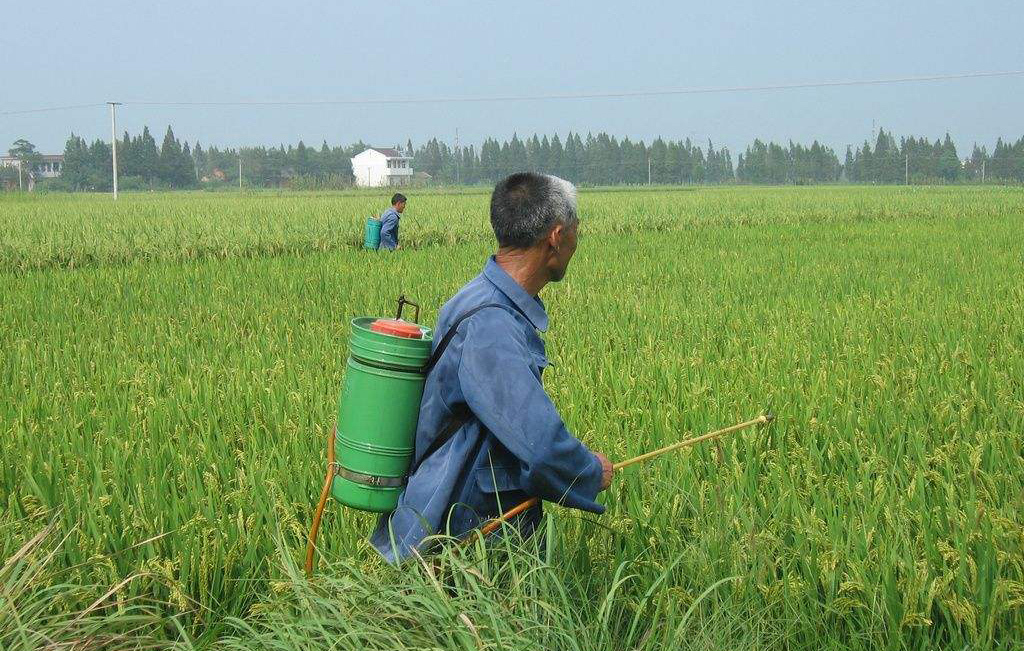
{"x":371,"y":236}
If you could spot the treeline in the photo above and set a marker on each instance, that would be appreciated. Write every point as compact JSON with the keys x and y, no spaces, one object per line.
{"x":140,"y":163}
{"x":592,"y":160}
{"x":913,"y":159}
{"x":771,"y":163}
{"x":295,"y":166}
{"x":603,"y":160}
{"x":596,"y":160}
{"x":916,"y":160}
{"x":177,"y":165}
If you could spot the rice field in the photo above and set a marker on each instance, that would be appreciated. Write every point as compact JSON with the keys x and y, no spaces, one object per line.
{"x":171,"y":365}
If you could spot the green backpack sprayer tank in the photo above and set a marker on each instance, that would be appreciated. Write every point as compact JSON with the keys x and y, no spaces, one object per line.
{"x":388,"y":364}
{"x":371,"y":235}
{"x":378,"y":409}
{"x":375,"y":434}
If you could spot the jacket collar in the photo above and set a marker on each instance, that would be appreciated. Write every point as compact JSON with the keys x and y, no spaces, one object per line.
{"x":531,"y":306}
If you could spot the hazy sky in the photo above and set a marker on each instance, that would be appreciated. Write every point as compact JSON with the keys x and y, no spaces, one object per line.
{"x":62,"y":52}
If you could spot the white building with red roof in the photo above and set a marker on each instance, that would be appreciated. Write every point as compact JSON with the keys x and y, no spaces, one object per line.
{"x":382,"y":166}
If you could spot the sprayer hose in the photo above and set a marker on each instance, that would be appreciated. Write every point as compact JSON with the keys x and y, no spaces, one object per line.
{"x":319,"y":514}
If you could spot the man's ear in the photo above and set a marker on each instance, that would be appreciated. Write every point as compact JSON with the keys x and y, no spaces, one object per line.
{"x":555,"y":236}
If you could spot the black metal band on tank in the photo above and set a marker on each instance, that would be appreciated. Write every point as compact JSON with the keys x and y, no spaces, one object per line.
{"x":384,"y":366}
{"x":368,"y":480}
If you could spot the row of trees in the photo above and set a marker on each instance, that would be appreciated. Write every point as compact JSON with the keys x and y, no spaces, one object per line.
{"x":592,"y":160}
{"x":176,"y":164}
{"x":916,"y":160}
{"x":768,"y":162}
{"x":595,"y":160}
{"x":277,"y":166}
{"x":1006,"y":161}
{"x":139,"y":163}
{"x":910,"y":159}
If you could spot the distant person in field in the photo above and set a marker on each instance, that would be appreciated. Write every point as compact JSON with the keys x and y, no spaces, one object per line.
{"x":389,"y":222}
{"x":488,"y":435}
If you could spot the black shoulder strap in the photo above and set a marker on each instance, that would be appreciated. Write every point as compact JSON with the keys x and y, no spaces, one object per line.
{"x":448,"y":336}
{"x":461,"y":414}
{"x":459,"y":418}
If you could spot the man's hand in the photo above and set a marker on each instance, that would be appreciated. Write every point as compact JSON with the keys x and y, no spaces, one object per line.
{"x":607,"y":470}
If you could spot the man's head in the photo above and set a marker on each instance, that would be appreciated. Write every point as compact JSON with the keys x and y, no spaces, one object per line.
{"x":536,"y":213}
{"x":398,"y":202}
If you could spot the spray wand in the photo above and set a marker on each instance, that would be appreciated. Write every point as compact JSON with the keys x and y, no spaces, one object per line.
{"x":493,"y":525}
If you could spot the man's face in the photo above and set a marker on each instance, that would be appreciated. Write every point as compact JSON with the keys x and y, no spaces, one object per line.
{"x":400,"y":207}
{"x":563,"y":244}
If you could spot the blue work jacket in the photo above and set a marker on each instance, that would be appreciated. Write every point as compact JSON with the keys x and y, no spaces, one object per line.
{"x":513,"y":445}
{"x":389,"y":229}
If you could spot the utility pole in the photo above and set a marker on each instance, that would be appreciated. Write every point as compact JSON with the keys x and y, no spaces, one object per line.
{"x":982,"y":171}
{"x":113,"y":141}
{"x":239,"y":170}
{"x":21,"y":184}
{"x":648,"y":170}
{"x":458,"y":160}
{"x":906,"y":169}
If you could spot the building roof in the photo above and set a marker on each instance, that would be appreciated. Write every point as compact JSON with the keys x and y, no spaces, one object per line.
{"x":390,"y":152}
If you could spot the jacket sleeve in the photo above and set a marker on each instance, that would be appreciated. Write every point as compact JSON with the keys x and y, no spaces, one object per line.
{"x":388,"y":237}
{"x":502,"y":390}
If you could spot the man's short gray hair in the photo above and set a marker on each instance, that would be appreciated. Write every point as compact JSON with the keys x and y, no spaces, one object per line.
{"x":526,"y":206}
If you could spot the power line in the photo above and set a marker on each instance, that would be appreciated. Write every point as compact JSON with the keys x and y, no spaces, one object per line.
{"x":595,"y":95}
{"x":556,"y":96}
{"x":54,"y":108}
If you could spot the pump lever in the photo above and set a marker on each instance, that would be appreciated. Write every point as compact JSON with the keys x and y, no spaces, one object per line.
{"x":402,"y":302}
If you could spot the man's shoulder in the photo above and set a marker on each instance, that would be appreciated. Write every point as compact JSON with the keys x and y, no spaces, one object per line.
{"x":501,"y":316}
{"x":474,"y":294}
{"x":389,"y":214}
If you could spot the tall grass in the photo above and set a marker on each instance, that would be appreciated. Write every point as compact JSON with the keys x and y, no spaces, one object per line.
{"x":514,"y":594}
{"x":39,"y":610}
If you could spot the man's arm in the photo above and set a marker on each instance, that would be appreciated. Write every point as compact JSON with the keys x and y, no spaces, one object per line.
{"x":502,"y":391}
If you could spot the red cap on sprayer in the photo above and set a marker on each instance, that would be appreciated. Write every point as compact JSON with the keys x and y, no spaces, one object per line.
{"x":397,"y":328}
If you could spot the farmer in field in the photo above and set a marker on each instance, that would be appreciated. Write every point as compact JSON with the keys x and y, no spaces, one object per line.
{"x":389,"y":222}
{"x":488,"y":435}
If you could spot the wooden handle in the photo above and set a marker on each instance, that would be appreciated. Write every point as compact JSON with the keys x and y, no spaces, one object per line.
{"x":763,"y":419}
{"x":492,"y":526}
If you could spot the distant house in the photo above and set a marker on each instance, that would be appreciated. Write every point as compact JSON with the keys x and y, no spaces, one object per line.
{"x":216,"y":175}
{"x":380,"y":167}
{"x":48,"y":166}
